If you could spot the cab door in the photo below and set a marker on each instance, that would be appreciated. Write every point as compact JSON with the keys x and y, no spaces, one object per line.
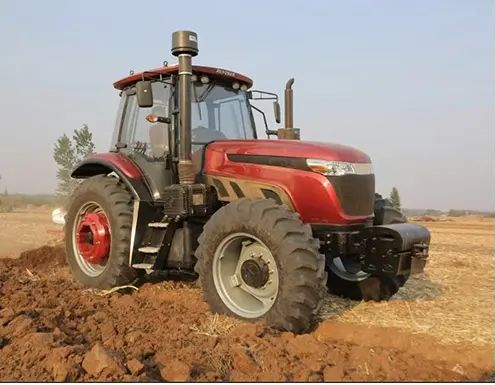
{"x":145,"y":143}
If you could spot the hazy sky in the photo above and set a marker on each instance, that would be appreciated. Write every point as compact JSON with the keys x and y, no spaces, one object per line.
{"x":410,"y":82}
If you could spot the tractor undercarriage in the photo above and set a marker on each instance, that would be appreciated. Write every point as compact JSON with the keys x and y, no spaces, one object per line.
{"x":172,"y":229}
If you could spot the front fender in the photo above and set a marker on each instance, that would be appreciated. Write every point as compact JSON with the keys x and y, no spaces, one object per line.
{"x":123,"y":167}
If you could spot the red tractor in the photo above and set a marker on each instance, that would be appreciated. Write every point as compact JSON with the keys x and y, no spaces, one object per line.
{"x":266,"y":225}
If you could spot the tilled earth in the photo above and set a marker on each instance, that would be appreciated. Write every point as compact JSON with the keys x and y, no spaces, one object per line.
{"x":53,"y":329}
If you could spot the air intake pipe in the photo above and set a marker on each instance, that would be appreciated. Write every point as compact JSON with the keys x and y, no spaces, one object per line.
{"x":185,"y":46}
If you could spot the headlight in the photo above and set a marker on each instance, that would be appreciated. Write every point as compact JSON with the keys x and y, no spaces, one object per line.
{"x":337,"y":168}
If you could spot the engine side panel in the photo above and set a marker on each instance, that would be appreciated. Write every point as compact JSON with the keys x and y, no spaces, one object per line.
{"x":310,"y":194}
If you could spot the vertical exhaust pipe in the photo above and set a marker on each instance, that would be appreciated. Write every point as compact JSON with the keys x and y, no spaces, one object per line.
{"x":289,"y":132}
{"x":185,"y":46}
{"x":289,"y":104}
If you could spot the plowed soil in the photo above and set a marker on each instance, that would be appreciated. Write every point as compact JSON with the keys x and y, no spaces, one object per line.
{"x":53,"y":329}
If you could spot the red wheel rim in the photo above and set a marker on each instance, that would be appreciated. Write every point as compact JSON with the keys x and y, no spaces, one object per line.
{"x":93,"y":237}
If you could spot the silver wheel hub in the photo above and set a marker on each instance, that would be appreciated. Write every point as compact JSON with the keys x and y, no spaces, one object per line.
{"x":245,"y":275}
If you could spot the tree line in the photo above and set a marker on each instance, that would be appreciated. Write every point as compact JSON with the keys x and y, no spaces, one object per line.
{"x":67,"y":153}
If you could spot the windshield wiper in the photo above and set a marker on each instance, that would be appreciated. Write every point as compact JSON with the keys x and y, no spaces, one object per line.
{"x":205,"y":93}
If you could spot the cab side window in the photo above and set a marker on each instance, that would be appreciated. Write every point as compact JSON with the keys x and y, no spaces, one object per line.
{"x":118,"y":120}
{"x":141,"y":136}
{"x":231,"y":119}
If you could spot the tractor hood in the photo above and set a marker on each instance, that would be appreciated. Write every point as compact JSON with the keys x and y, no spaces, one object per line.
{"x":290,"y":148}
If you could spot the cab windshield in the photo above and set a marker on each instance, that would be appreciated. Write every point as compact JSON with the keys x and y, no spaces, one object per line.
{"x":219,"y":112}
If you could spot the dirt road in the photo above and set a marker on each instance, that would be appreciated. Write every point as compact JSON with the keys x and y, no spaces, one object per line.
{"x":53,"y":329}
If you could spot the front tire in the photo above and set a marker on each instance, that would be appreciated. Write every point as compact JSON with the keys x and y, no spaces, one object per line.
{"x":254,"y":250}
{"x":361,"y":286}
{"x":98,"y":233}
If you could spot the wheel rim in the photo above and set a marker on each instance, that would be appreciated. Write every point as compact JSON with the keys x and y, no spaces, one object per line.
{"x":245,"y":275}
{"x":91,"y":239}
{"x":338,"y":268}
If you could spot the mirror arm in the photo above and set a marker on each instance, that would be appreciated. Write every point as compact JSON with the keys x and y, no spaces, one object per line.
{"x":268,"y":132}
{"x":272,"y":96}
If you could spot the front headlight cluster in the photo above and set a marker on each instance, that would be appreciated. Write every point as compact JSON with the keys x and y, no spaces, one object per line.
{"x":337,"y":168}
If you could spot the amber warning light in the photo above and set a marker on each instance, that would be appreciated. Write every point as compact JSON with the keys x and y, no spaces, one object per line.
{"x":157,"y":119}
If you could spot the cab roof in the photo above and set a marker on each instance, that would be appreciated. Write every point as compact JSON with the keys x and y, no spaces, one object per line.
{"x":216,"y":73}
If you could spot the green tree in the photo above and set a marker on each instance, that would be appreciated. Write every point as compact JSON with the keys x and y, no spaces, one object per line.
{"x":83,"y":142}
{"x":395,"y":198}
{"x":67,"y":153}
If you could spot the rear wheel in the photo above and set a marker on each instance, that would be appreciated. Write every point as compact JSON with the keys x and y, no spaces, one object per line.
{"x":345,"y":278}
{"x":98,"y":233}
{"x":257,"y":260}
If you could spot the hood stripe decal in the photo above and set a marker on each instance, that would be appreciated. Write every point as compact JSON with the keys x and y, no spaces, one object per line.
{"x":270,"y":160}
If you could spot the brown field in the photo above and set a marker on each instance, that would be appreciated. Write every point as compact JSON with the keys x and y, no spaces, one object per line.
{"x":440,"y":326}
{"x":22,"y":230}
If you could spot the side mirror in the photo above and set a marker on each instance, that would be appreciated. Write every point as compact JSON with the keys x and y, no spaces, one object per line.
{"x":144,"y":94}
{"x":276,"y":111}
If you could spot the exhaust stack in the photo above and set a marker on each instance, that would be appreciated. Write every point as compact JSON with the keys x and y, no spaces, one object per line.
{"x":289,"y":104}
{"x":185,"y":46}
{"x":289,"y":132}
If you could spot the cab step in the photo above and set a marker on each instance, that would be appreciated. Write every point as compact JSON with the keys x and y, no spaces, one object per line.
{"x":159,"y":225}
{"x":149,"y":249}
{"x":145,"y":266}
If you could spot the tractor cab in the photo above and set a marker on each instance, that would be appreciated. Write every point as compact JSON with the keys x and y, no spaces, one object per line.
{"x":147,"y":131}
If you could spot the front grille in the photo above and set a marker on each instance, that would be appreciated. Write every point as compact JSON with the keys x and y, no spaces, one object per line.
{"x":356,"y":193}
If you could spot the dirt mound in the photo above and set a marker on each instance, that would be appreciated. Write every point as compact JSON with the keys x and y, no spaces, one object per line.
{"x":51,"y":329}
{"x":45,"y":257}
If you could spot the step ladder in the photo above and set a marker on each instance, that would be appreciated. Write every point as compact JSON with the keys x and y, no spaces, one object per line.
{"x":152,"y":244}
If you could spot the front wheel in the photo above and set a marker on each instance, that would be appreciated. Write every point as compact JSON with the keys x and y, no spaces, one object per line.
{"x":257,"y":260}
{"x":98,"y":233}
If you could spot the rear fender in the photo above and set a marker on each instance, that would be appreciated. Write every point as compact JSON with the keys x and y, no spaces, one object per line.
{"x":128,"y":172}
{"x":124,"y":168}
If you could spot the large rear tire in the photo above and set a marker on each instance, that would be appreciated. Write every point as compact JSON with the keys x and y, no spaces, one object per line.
{"x":257,"y":260}
{"x":361,"y":286}
{"x":98,"y":233}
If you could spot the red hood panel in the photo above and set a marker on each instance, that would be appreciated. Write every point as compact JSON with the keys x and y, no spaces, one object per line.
{"x":290,"y":148}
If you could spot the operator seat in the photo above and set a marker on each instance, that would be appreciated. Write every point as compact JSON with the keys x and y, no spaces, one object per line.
{"x":159,"y":135}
